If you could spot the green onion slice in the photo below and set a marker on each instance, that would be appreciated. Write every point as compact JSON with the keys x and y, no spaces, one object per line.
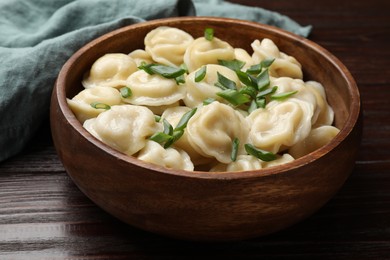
{"x":284,"y":95}
{"x":162,"y":70}
{"x":225,"y":82}
{"x":173,"y":138}
{"x":234,"y":97}
{"x":157,"y":118}
{"x":125,"y":92}
{"x":263,"y":80}
{"x":234,"y":65}
{"x":184,"y":120}
{"x":235,"y":146}
{"x":267,"y":62}
{"x":200,"y":74}
{"x":99,"y":105}
{"x":209,"y":34}
{"x":267,"y":92}
{"x":160,"y":137}
{"x":208,"y":101}
{"x":168,"y":129}
{"x":254,"y":69}
{"x":252,"y":107}
{"x":260,"y":154}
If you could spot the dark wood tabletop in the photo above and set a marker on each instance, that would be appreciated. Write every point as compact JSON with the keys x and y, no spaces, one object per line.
{"x":43,"y":215}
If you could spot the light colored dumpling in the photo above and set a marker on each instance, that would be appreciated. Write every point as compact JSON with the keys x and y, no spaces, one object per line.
{"x":170,"y":157}
{"x":81,"y":103}
{"x":166,"y":45}
{"x":280,"y":124}
{"x":286,"y":84}
{"x":173,"y":116}
{"x":110,"y":70}
{"x":326,"y":114}
{"x":153,"y":90}
{"x":125,"y":127}
{"x":140,"y":56}
{"x":213,"y":128}
{"x":202,"y":52}
{"x":310,"y":91}
{"x":317,"y":138}
{"x":283,"y":65}
{"x":197,"y":92}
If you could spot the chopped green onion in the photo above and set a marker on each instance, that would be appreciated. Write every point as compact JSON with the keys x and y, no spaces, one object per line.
{"x":234,"y":97}
{"x":99,"y":105}
{"x":168,"y":129}
{"x":184,"y":119}
{"x":160,"y":137}
{"x":252,"y":107}
{"x":209,"y":34}
{"x":146,"y":67}
{"x":225,"y":82}
{"x":260,"y":154}
{"x":125,"y":92}
{"x":282,"y":96}
{"x":208,"y":101}
{"x":167,"y":71}
{"x":260,"y":102}
{"x":232,"y":64}
{"x":174,"y":137}
{"x":249,"y":90}
{"x":263,"y":80}
{"x":267,"y":91}
{"x":235,"y":145}
{"x":267,"y":62}
{"x":157,"y":118}
{"x":180,"y":80}
{"x":246,"y":78}
{"x":254,"y":69}
{"x":162,"y":70}
{"x":200,"y":74}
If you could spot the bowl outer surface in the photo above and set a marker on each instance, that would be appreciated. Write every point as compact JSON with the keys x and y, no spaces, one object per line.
{"x":201,"y":205}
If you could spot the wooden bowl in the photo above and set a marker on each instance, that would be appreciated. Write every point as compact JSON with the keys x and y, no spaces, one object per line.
{"x":204,"y":206}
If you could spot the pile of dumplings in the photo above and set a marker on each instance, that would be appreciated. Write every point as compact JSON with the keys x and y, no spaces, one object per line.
{"x":288,"y":128}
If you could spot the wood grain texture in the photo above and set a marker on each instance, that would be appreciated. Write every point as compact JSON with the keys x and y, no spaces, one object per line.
{"x":46,"y":217}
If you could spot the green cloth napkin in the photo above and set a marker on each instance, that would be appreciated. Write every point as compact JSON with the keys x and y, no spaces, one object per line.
{"x":38,"y":36}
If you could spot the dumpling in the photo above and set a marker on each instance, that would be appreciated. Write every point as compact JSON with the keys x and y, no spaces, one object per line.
{"x":81,"y":103}
{"x":197,"y":92}
{"x":125,"y":127}
{"x":213,"y":128}
{"x":153,"y":90}
{"x":170,"y":157}
{"x":280,"y":124}
{"x":140,"y":56}
{"x":166,"y":45}
{"x":283,"y":65}
{"x":173,"y":116}
{"x":202,"y":52}
{"x":317,"y":138}
{"x":286,"y":84}
{"x":326,"y":113}
{"x":110,"y":70}
{"x":310,"y":91}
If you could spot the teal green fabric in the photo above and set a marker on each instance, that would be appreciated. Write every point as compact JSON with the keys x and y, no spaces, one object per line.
{"x":38,"y":36}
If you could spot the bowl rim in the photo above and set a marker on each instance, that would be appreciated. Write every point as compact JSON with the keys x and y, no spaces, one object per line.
{"x":352,"y":119}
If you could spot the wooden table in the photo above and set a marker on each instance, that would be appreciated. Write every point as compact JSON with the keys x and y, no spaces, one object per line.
{"x":44,"y":216}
